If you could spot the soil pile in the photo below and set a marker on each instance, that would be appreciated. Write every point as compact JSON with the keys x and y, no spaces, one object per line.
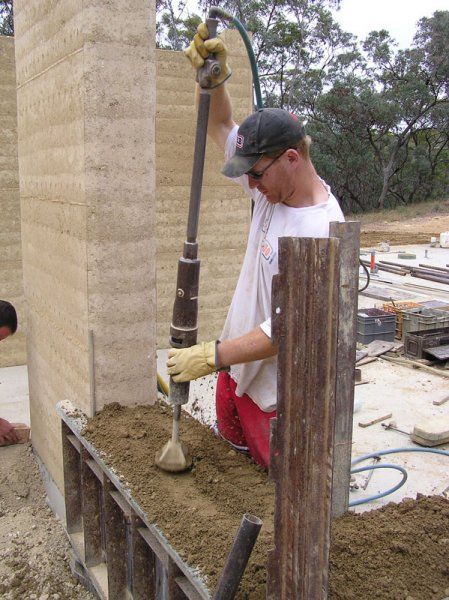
{"x":198,"y":511}
{"x":34,"y":550}
{"x":398,"y":552}
{"x":406,"y":230}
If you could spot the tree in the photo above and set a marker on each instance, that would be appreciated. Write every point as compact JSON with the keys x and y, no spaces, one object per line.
{"x":175,"y":26}
{"x":410,"y":86}
{"x":6,"y":17}
{"x":377,"y":102}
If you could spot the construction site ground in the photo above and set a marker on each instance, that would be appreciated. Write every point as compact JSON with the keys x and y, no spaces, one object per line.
{"x":414,"y":224}
{"x":398,"y":552}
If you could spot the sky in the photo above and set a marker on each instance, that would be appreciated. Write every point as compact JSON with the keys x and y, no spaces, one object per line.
{"x":398,"y":17}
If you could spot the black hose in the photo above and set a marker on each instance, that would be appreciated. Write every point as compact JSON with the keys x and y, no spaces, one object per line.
{"x":367,"y":276}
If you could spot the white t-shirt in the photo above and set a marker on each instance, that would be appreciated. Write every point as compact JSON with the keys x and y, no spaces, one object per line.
{"x":251,"y":303}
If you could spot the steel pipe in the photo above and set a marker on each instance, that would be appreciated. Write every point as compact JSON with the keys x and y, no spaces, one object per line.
{"x":444,"y":269}
{"x":238,"y":557}
{"x":387,"y":268}
{"x":430,"y":272}
{"x":431,"y":277}
{"x":395,"y":264}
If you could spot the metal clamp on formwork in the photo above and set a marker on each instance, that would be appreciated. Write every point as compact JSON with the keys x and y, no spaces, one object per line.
{"x":120,"y":553}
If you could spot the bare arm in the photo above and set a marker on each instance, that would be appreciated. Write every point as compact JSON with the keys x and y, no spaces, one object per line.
{"x":220,"y":115}
{"x":185,"y":364}
{"x":254,"y":345}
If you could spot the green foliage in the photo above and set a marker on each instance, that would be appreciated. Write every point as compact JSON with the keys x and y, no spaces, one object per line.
{"x":379,"y":116}
{"x":6,"y":18}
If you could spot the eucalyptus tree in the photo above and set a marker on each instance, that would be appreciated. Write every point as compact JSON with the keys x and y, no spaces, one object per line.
{"x":382,"y":115}
{"x":409,"y":89}
{"x":6,"y":17}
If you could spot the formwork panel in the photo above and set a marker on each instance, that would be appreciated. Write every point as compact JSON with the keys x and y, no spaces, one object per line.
{"x":138,"y":561}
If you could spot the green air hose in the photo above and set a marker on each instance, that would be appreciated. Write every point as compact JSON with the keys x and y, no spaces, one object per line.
{"x":215,"y":12}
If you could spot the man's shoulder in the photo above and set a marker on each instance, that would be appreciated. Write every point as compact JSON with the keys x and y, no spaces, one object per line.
{"x":229,"y":149}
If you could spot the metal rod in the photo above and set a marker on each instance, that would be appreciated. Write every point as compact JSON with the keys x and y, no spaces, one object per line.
{"x":198,"y":165}
{"x":389,"y":269}
{"x":431,"y":277}
{"x":430,"y":272}
{"x":175,"y":429}
{"x":395,"y":264}
{"x":434,"y":268}
{"x":200,"y":149}
{"x":238,"y":557}
{"x":91,"y":350}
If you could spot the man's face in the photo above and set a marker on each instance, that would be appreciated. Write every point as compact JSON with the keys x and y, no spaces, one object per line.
{"x":271,"y":176}
{"x":4,"y":332}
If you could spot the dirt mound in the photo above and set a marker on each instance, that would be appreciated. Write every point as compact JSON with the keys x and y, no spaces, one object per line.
{"x":369,"y":239}
{"x":34,"y":551}
{"x":397,"y":552}
{"x":415,"y":230}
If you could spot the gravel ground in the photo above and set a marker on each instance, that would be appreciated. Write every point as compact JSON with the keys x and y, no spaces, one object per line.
{"x":34,"y":550}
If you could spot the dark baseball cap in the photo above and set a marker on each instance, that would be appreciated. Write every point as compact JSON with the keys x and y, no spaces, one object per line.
{"x":263,"y":132}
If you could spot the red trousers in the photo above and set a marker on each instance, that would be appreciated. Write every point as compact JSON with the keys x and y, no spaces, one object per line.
{"x":241,"y":422}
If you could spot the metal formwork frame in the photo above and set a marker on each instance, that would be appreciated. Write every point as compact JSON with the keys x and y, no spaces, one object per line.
{"x":123,"y":555}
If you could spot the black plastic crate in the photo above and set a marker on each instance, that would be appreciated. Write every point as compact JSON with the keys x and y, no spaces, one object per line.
{"x":416,"y":342}
{"x":375,"y":324}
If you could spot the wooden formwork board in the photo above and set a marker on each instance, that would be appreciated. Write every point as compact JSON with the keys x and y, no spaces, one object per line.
{"x":124,"y":555}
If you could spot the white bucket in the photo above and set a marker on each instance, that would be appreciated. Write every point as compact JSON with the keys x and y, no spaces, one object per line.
{"x":444,"y":239}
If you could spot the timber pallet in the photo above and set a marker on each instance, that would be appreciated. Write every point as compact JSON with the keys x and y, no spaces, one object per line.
{"x":123,"y":555}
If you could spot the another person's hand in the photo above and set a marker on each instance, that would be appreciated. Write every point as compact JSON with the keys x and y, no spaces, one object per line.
{"x":7,"y":433}
{"x":185,"y":364}
{"x":201,"y":47}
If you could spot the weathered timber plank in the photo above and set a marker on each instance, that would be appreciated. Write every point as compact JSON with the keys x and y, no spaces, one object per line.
{"x":304,"y":318}
{"x":116,"y":550}
{"x":349,"y":236}
{"x":143,"y":573}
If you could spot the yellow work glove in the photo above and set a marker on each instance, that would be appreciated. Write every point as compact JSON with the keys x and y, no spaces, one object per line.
{"x":185,"y":364}
{"x":201,"y":47}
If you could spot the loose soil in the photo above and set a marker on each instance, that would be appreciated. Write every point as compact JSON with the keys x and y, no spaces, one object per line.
{"x":398,"y":552}
{"x":403,"y":230}
{"x":34,"y":550}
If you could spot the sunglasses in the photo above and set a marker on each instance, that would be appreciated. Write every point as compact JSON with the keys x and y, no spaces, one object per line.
{"x":259,"y":174}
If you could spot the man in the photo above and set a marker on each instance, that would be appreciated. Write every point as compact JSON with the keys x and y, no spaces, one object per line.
{"x":8,"y":326}
{"x":268,"y":155}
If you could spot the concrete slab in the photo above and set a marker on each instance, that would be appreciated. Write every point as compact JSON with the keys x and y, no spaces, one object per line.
{"x":409,"y":396}
{"x":14,"y":396}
